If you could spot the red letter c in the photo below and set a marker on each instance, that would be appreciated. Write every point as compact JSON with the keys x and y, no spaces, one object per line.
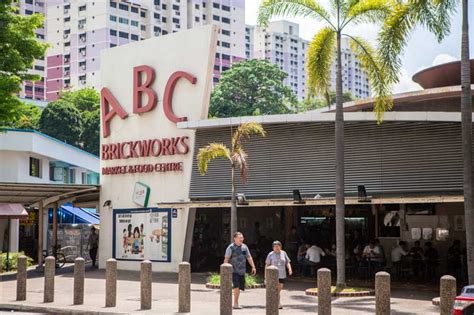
{"x":168,"y":97}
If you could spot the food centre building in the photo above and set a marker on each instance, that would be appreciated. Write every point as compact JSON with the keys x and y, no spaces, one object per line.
{"x":403,"y":177}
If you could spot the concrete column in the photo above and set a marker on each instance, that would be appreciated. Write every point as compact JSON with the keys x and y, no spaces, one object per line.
{"x":49,"y":273}
{"x":40,"y":233}
{"x":226,"y":289}
{"x":184,"y":291}
{"x":54,"y":239}
{"x":145,"y":285}
{"x":79,"y":274}
{"x":21,"y":276}
{"x":447,"y":291}
{"x":324,"y":291}
{"x":382,"y":293}
{"x":14,"y":235}
{"x":272,"y":296}
{"x":111,"y":283}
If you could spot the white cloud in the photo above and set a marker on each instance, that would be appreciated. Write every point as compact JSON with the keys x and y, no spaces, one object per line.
{"x":443,"y":58}
{"x":405,"y":84}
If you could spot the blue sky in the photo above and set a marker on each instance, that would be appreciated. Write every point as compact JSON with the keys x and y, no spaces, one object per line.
{"x":422,"y":50}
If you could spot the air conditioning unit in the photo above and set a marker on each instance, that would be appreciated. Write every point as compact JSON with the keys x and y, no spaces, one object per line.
{"x":83,"y":67}
{"x":66,"y":60}
{"x":81,"y":26}
{"x":66,"y":36}
{"x":66,"y":85}
{"x":157,"y":33}
{"x":157,"y":7}
{"x":83,"y":53}
{"x":66,"y":11}
{"x":83,"y":39}
{"x":83,"y":82}
{"x":66,"y":73}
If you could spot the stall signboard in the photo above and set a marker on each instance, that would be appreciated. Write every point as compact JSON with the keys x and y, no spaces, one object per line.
{"x":143,"y":233}
{"x":141,"y":194}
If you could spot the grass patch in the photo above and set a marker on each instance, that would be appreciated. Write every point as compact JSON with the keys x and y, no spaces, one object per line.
{"x":215,"y":278}
{"x":345,"y":290}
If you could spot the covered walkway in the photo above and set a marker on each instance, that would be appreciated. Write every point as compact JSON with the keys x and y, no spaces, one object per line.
{"x":44,"y":196}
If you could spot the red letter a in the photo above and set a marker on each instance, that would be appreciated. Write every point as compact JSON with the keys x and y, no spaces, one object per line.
{"x":139,"y":88}
{"x":110,"y":107}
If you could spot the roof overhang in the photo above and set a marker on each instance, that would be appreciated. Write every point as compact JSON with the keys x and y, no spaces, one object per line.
{"x":315,"y":202}
{"x":322,"y":117}
{"x":30,"y":195}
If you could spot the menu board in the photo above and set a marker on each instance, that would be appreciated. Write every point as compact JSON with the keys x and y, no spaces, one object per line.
{"x":143,"y":233}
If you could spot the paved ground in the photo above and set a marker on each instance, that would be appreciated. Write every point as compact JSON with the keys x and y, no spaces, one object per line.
{"x":204,"y":301}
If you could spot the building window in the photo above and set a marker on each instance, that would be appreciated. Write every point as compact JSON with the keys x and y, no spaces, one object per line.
{"x":226,"y":20}
{"x":29,"y":1}
{"x":123,"y":35}
{"x":113,"y":32}
{"x":123,"y":20}
{"x":35,"y":167}
{"x":112,"y":45}
{"x":175,"y":20}
{"x":82,"y":8}
{"x":225,"y":8}
{"x":175,"y":7}
{"x":226,"y":32}
{"x":163,"y":20}
{"x":28,"y":12}
{"x":196,"y":19}
{"x":196,"y":6}
{"x":215,"y":5}
{"x":113,"y":4}
{"x":156,"y":16}
{"x":164,"y":6}
{"x":134,"y":37}
{"x":134,"y":9}
{"x":142,"y":14}
{"x":123,"y":7}
{"x":113,"y":18}
{"x":216,"y":18}
{"x":157,"y":2}
{"x":225,"y":57}
{"x":143,"y":27}
{"x":225,"y":44}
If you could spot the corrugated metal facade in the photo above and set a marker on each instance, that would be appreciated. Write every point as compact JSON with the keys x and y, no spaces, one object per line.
{"x":395,"y":157}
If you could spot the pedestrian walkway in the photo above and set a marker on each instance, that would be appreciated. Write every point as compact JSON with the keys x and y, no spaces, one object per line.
{"x":203,"y":300}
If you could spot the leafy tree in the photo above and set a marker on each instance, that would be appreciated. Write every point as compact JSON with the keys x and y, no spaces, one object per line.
{"x":90,"y":135}
{"x":62,"y":121}
{"x":28,"y":116}
{"x":237,"y":158}
{"x":86,"y":99}
{"x":252,"y":87}
{"x":312,"y":103}
{"x":436,"y":17}
{"x":18,"y":50}
{"x":324,"y":48}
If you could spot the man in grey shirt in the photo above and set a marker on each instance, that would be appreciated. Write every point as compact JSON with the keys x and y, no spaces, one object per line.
{"x":279,"y":259}
{"x":237,"y":254}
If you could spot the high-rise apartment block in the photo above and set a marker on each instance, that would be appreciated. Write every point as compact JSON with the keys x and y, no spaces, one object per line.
{"x":281,"y":44}
{"x":78,"y":30}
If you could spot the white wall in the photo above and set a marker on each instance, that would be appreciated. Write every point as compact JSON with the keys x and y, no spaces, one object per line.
{"x":191,"y":51}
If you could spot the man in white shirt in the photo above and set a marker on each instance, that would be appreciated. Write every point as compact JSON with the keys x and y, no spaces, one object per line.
{"x":313,"y":258}
{"x":398,"y":252}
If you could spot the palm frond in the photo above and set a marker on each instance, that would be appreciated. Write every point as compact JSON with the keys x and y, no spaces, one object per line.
{"x":292,"y":8}
{"x":370,"y":62}
{"x":211,"y":152}
{"x":320,"y":55}
{"x":244,"y":131}
{"x":239,"y":157}
{"x":368,"y":11}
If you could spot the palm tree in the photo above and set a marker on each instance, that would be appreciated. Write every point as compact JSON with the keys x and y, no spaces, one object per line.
{"x":323,"y":49}
{"x":237,"y":158}
{"x":435,"y":15}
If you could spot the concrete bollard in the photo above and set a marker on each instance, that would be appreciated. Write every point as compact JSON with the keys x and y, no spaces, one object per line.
{"x":272,"y":296}
{"x":21,"y":276}
{"x":111,"y":283}
{"x":324,"y":291}
{"x":145,"y":285}
{"x":382,"y":293}
{"x":49,"y":272}
{"x":79,"y":274}
{"x":447,"y":291}
{"x":184,"y":291}
{"x":226,"y":289}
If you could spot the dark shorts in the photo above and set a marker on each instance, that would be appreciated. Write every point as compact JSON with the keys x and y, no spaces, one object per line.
{"x":238,"y":281}
{"x":281,"y":281}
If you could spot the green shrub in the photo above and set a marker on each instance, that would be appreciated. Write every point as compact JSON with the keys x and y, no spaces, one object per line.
{"x":215,"y":278}
{"x":13,"y":259}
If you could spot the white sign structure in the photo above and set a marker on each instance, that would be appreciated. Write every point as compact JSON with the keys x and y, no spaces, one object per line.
{"x":141,"y":194}
{"x":147,"y":87}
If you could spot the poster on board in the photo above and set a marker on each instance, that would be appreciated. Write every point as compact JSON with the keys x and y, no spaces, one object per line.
{"x":142,"y":234}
